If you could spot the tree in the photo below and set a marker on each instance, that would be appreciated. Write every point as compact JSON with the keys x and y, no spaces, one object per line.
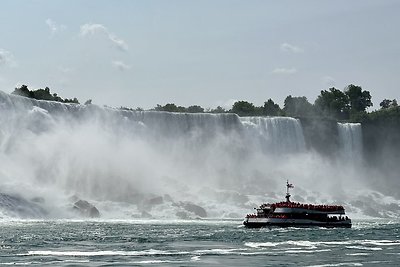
{"x":195,"y":109}
{"x":23,"y":91}
{"x":170,"y":107}
{"x":386,"y":103}
{"x":42,"y":94}
{"x":297,"y":106}
{"x":219,"y":109}
{"x":270,"y":108}
{"x":359,"y":100}
{"x":243,"y":108}
{"x":333,"y":103}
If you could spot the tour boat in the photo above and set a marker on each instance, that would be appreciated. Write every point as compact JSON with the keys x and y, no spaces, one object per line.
{"x":289,"y":213}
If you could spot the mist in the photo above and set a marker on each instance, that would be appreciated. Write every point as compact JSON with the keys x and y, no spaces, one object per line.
{"x":145,"y":164}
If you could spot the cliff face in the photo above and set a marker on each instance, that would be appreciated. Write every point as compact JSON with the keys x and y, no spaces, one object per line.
{"x":321,"y":135}
{"x":381,"y":139}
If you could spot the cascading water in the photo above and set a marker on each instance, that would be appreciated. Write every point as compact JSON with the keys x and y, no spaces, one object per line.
{"x":350,"y":140}
{"x":145,"y":164}
{"x":276,"y":134}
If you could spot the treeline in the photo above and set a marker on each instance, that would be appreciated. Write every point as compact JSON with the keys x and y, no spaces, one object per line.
{"x":42,"y":94}
{"x":349,"y":104}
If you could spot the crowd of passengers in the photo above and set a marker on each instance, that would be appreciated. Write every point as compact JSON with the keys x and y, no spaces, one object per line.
{"x":283,"y":216}
{"x":326,"y":208}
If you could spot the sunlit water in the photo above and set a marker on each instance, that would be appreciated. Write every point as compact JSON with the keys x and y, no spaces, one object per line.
{"x":193,"y":243}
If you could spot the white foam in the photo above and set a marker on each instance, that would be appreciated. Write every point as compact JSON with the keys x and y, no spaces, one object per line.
{"x":358,"y":254}
{"x":16,"y":263}
{"x":195,"y":258}
{"x":313,"y":245}
{"x":264,"y":244}
{"x":218,"y":251}
{"x":382,"y":242}
{"x":338,"y":264}
{"x":152,"y":261}
{"x":105,"y":253}
{"x":302,"y":243}
{"x":306,"y":251}
{"x":363,"y":248}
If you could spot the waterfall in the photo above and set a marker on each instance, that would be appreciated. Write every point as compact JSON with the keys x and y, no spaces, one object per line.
{"x":276,"y":134}
{"x":128,"y":162}
{"x":350,"y":141}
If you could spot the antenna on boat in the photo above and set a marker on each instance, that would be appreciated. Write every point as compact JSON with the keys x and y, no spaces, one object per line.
{"x":287,"y":190}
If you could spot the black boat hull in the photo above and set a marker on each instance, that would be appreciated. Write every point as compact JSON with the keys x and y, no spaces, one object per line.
{"x":292,"y":224}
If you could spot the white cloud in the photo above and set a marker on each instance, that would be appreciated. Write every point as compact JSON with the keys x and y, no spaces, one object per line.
{"x":285,"y":47}
{"x":87,"y":29}
{"x":120,"y":65}
{"x":284,"y":71}
{"x":92,"y":29}
{"x":6,"y":58}
{"x":328,"y":81}
{"x":54,"y":27}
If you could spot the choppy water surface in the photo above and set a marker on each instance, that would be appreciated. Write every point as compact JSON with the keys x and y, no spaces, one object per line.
{"x":192,"y":243}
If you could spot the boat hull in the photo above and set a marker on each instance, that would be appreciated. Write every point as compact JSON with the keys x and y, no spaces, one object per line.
{"x":267,"y":222}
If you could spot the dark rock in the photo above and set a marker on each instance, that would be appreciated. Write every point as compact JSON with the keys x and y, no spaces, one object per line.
{"x":199,"y":211}
{"x":86,"y":209}
{"x":17,"y":206}
{"x":148,"y":204}
{"x":156,"y":201}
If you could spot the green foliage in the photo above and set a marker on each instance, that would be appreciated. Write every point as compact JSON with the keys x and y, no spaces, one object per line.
{"x":42,"y":94}
{"x":333,"y":103}
{"x":359,"y":100}
{"x":297,"y":106}
{"x":23,"y":91}
{"x":389,"y":115}
{"x":244,"y":108}
{"x":358,"y":116}
{"x":195,"y":109}
{"x":219,"y":109}
{"x":348,"y":105}
{"x":271,"y":109}
{"x":386,"y":103}
{"x":170,"y":108}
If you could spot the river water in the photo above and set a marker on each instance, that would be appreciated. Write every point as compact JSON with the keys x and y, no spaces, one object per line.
{"x":195,"y":243}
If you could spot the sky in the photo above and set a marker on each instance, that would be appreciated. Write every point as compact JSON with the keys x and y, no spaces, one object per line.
{"x":206,"y":52}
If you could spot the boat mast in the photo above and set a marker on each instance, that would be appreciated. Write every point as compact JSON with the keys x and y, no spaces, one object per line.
{"x":287,"y":191}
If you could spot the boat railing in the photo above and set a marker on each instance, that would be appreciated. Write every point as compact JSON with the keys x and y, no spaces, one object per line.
{"x":325,"y":208}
